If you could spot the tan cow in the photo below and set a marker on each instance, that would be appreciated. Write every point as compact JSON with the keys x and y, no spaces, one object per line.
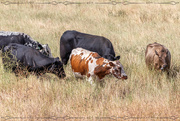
{"x":157,"y":56}
{"x":91,"y":64}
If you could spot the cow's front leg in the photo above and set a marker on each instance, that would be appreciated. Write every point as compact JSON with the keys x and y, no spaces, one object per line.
{"x":90,"y":80}
{"x":100,"y":81}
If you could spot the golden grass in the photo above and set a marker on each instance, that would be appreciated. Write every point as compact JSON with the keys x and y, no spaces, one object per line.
{"x":130,"y":28}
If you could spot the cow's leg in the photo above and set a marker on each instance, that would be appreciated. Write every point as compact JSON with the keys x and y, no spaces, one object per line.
{"x":16,"y":71}
{"x":90,"y":80}
{"x":102,"y":83}
{"x":65,"y":52}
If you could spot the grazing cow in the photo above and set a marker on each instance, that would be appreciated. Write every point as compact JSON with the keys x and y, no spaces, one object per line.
{"x":24,"y":39}
{"x":157,"y":56}
{"x":74,"y":39}
{"x":91,"y":64}
{"x":17,"y":57}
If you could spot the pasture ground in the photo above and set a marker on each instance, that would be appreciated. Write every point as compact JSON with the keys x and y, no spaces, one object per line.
{"x":130,"y":28}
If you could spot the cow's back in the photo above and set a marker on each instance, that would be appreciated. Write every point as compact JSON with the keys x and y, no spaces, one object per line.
{"x":5,"y":40}
{"x":28,"y":55}
{"x":86,"y":41}
{"x":22,"y":56}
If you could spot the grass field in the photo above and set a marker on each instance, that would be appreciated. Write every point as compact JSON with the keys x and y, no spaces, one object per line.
{"x":130,"y":28}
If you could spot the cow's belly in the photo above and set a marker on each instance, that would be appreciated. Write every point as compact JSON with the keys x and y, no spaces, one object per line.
{"x":78,"y":75}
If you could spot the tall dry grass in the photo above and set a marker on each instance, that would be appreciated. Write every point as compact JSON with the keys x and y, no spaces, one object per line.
{"x":130,"y":28}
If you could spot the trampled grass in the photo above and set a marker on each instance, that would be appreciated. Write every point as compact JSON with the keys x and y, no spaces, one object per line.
{"x":130,"y":28}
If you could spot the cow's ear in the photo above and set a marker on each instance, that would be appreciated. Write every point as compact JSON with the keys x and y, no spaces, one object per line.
{"x":117,"y":57}
{"x":167,"y":51}
{"x":150,"y":45}
{"x":111,"y":64}
{"x":156,"y":53}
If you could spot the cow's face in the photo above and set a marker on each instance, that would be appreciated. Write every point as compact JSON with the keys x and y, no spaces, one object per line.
{"x":57,"y":68}
{"x":160,"y":59}
{"x":117,"y":70}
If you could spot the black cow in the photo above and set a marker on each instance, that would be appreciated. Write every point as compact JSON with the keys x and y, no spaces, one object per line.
{"x":24,"y":39}
{"x":73,"y":39}
{"x":17,"y":57}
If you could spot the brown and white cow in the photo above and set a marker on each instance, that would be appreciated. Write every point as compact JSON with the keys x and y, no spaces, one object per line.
{"x":157,"y":56}
{"x":91,"y":64}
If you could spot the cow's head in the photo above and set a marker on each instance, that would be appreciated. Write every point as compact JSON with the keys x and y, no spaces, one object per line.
{"x":160,"y":58}
{"x":57,"y":68}
{"x":117,"y":69}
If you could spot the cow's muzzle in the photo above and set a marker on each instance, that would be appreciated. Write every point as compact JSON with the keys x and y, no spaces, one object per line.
{"x":63,"y":75}
{"x":124,"y":76}
{"x":163,"y":67}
